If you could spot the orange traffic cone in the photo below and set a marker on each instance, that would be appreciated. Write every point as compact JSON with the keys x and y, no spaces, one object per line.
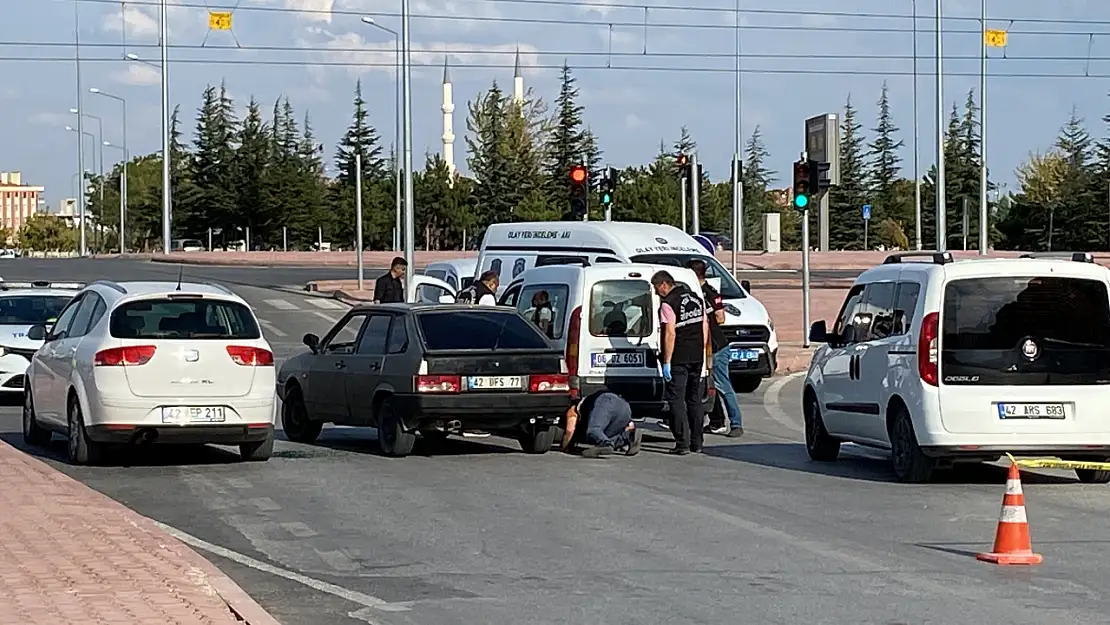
{"x":1011,"y":542}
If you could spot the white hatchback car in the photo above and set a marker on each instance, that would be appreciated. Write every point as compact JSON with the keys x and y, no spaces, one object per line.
{"x":949,"y":361}
{"x":152,"y":362}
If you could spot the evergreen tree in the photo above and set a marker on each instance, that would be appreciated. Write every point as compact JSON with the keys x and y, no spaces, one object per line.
{"x":360,"y":138}
{"x":757,"y":179}
{"x":891,"y":209}
{"x":847,"y":199}
{"x":313,"y":209}
{"x":251,"y":161}
{"x":1076,"y":221}
{"x":495,"y":193}
{"x":565,"y":148}
{"x":216,"y":202}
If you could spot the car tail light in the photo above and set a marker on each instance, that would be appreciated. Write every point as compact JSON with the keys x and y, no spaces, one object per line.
{"x":129,"y":356}
{"x":573,"y":332}
{"x":554,"y":383}
{"x":928,"y":349}
{"x":438,"y":384}
{"x":250,"y":356}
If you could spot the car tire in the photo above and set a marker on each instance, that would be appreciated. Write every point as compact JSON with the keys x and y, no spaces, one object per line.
{"x":1093,"y":476}
{"x":258,"y":451}
{"x":819,"y":445}
{"x":392,"y":438}
{"x":910,"y":464}
{"x":295,"y":421}
{"x":536,"y":440}
{"x":746,"y":383}
{"x":33,"y":433}
{"x":82,"y":451}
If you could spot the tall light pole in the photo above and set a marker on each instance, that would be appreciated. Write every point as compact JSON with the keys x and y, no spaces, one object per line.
{"x":916,"y":141}
{"x":983,"y":230}
{"x":83,"y":189}
{"x":100,"y":148}
{"x":942,"y":202}
{"x":737,"y":185}
{"x":123,"y":173}
{"x":410,"y":225}
{"x":397,"y":128}
{"x":82,"y":249}
{"x":167,"y":231}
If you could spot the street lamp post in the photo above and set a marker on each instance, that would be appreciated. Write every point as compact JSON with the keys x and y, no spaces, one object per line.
{"x":983,"y":231}
{"x":100,"y":148}
{"x":83,"y":189}
{"x":410,"y":225}
{"x":397,"y":129}
{"x":167,"y":196}
{"x":123,"y":175}
{"x":942,"y":202}
{"x":82,"y":248}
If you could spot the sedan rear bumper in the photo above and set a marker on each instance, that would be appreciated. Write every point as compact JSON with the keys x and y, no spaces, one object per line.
{"x":182,"y":434}
{"x":492,"y":411}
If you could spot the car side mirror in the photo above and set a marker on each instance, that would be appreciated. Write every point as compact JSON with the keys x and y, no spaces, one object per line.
{"x":312,"y":342}
{"x":819,"y":333}
{"x":746,"y":285}
{"x":37,"y":333}
{"x":446,"y":299}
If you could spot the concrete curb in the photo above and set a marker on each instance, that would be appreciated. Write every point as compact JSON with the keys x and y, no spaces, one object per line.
{"x":234,"y":597}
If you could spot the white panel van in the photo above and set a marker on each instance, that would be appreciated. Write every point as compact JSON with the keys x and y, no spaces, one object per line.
{"x":513,"y":248}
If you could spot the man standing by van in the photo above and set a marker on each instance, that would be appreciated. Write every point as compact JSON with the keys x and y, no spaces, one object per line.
{"x":715,"y":311}
{"x":682,"y":352}
{"x":388,"y":289}
{"x":483,"y":292}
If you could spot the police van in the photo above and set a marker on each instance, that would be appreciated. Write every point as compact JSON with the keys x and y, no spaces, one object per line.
{"x":510,"y":249}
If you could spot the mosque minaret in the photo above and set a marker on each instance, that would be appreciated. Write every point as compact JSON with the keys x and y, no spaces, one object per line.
{"x":448,"y":109}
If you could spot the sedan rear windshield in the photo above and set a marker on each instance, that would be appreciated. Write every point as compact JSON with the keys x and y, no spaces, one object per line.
{"x":1041,"y":330}
{"x":195,"y":318}
{"x":480,"y":330}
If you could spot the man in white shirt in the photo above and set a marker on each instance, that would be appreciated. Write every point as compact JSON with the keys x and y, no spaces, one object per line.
{"x":483,"y":292}
{"x":541,"y":313}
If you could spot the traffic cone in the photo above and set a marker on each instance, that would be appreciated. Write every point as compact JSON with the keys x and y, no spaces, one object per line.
{"x":1011,"y":542}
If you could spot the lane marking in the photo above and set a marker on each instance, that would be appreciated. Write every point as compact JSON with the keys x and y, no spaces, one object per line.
{"x":773,"y":403}
{"x":281,"y":304}
{"x":271,"y":328}
{"x":298,"y":529}
{"x":363,"y":599}
{"x":326,"y":304}
{"x":326,"y":317}
{"x":265,"y":504}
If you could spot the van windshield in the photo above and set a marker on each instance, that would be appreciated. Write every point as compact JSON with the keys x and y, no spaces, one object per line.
{"x":730,"y":289}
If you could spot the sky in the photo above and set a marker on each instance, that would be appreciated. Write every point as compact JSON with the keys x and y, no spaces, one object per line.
{"x":645,"y":68}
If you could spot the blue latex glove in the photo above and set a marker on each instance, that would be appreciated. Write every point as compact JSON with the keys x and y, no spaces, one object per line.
{"x":666,"y":372}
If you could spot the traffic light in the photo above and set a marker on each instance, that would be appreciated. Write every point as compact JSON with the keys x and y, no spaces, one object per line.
{"x":579,"y":187}
{"x":682,"y":161}
{"x":819,"y":181}
{"x":608,"y":186}
{"x":802,"y":180}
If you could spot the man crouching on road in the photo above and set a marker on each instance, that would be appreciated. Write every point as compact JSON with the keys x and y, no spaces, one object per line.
{"x":604,"y":419}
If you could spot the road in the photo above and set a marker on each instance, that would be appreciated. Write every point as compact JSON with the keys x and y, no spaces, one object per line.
{"x":750,"y":533}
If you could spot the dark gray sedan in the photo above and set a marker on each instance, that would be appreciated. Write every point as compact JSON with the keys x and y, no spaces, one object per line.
{"x":432,"y":369}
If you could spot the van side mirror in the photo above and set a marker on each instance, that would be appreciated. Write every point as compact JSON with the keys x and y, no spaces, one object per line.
{"x":746,"y":285}
{"x":819,"y":333}
{"x":37,"y":333}
{"x":312,"y":342}
{"x":446,"y":299}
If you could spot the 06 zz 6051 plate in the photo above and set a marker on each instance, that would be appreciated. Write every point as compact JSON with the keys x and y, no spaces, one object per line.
{"x":617,"y":359}
{"x":193,"y":414}
{"x":1055,"y":410}
{"x":494,"y":382}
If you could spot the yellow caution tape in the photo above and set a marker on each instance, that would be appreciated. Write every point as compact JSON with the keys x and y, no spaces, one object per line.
{"x":1056,"y":463}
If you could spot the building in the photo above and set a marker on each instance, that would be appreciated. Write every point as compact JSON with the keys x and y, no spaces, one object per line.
{"x":18,"y":201}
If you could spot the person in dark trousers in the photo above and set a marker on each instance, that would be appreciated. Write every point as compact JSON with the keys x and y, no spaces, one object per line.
{"x":682,"y":351}
{"x":604,"y":421}
{"x":483,"y":292}
{"x":388,"y":289}
{"x":715,"y":313}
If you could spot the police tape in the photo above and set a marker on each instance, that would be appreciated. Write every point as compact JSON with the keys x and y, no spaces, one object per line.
{"x":1056,"y":463}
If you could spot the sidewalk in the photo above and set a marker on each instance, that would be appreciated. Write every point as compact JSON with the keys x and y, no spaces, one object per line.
{"x":71,"y":555}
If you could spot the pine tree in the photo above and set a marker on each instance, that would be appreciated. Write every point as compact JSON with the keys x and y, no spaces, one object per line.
{"x":495,"y":193}
{"x":756,"y":178}
{"x":685,"y":144}
{"x":1077,"y":221}
{"x":847,"y":199}
{"x":251,"y":161}
{"x":565,"y":148}
{"x":360,"y":138}
{"x":216,"y":206}
{"x":313,"y":209}
{"x":887,"y":200}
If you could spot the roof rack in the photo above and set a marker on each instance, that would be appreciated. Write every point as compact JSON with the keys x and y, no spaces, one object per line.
{"x":42,"y":284}
{"x":1075,"y":257}
{"x":937,"y":258}
{"x":115,"y":286}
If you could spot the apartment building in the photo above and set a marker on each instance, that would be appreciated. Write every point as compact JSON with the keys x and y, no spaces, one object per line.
{"x":18,"y":201}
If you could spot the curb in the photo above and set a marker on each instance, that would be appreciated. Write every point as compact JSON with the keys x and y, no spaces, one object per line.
{"x":238,"y":602}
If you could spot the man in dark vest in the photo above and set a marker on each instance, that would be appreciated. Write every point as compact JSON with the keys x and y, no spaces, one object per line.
{"x":715,"y":313}
{"x":683,"y":346}
{"x":603,"y":420}
{"x":483,"y":292}
{"x":388,"y":289}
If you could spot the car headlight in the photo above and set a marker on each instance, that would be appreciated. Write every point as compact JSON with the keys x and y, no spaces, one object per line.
{"x":732,"y":310}
{"x":770,"y":323}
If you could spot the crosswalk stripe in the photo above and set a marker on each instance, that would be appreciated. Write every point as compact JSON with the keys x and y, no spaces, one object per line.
{"x":271,"y":328}
{"x":325,"y":317}
{"x":281,"y":304}
{"x":326,"y":304}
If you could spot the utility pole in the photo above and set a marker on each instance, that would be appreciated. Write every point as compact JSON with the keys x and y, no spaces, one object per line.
{"x":358,"y":216}
{"x":695,"y":190}
{"x":683,"y":185}
{"x":82,"y":248}
{"x":983,"y":226}
{"x":916,"y":141}
{"x":167,"y":192}
{"x":942,"y":201}
{"x":737,"y":186}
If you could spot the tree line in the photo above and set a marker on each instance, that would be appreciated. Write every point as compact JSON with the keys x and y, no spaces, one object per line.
{"x":267,"y":172}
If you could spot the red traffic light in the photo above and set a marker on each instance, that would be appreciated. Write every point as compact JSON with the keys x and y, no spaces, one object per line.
{"x":578,"y":174}
{"x":682,"y":160}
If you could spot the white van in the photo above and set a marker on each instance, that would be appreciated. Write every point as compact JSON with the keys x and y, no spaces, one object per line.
{"x":458,"y":273}
{"x":513,"y":248}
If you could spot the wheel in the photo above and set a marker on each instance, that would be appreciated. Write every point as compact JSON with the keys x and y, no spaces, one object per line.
{"x":909,"y":462}
{"x":33,"y":433}
{"x":536,"y":440}
{"x":746,"y":383}
{"x":294,"y":419}
{"x":392,"y":437}
{"x":258,"y":451}
{"x":821,"y":446}
{"x":1093,"y":476}
{"x":81,"y":449}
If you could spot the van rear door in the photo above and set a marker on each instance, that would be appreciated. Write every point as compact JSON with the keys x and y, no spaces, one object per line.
{"x":1025,"y":354}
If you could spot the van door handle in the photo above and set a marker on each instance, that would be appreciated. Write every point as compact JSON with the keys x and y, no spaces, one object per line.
{"x":339,"y":364}
{"x":853,"y":367}
{"x":375,"y":366}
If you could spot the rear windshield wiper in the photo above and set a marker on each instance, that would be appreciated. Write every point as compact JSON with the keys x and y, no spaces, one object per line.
{"x":1076,"y":344}
{"x":500,"y":333}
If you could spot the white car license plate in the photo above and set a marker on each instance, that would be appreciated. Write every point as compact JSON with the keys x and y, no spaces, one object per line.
{"x":493,"y":382}
{"x":1031,"y":411}
{"x":193,"y":414}
{"x":617,"y":359}
{"x":743,"y":354}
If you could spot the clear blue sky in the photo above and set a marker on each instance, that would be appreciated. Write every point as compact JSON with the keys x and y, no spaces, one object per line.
{"x":631,"y":110}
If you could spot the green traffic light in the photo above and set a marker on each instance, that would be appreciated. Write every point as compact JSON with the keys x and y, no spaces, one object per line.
{"x":606,"y":198}
{"x":801,"y":201}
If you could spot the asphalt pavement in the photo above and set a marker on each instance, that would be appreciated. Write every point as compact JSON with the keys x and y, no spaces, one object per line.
{"x":749,"y":533}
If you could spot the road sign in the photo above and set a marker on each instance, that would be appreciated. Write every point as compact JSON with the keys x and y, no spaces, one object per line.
{"x":995,"y":38}
{"x":866,"y":212}
{"x":219,"y":20}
